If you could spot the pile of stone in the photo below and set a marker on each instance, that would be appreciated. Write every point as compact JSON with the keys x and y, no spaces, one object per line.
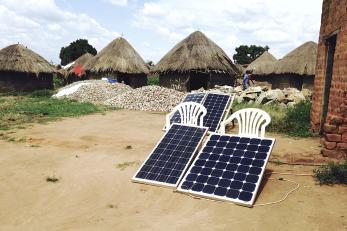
{"x":263,"y":95}
{"x":92,"y":91}
{"x":148,"y":98}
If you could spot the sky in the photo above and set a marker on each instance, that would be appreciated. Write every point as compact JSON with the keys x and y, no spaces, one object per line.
{"x":153,"y":27}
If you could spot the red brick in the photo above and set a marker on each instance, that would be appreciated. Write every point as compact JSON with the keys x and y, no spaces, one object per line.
{"x":344,"y":137}
{"x":330,"y":128}
{"x":329,"y":145}
{"x":342,"y":146}
{"x":332,"y":153}
{"x":337,"y":120}
{"x":342,"y":129}
{"x":333,"y":137}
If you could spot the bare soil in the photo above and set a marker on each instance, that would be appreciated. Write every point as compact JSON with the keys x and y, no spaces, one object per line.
{"x":94,"y":158}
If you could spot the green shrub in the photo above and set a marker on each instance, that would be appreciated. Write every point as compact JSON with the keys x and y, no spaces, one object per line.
{"x":333,"y":173}
{"x":153,"y":80}
{"x":294,"y":121}
{"x":297,"y":120}
{"x":58,"y":82}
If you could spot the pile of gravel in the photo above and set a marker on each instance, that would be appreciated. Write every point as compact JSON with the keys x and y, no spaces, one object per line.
{"x":94,"y":91}
{"x":148,"y":98}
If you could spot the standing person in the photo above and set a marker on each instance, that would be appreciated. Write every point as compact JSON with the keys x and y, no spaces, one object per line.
{"x":246,"y":80}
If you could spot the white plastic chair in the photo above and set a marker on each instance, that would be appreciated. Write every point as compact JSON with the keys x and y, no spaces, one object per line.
{"x":250,"y":121}
{"x":191,"y":113}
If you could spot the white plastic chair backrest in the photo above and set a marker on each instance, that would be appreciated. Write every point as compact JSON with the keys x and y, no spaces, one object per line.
{"x":251,"y":121}
{"x":191,"y":113}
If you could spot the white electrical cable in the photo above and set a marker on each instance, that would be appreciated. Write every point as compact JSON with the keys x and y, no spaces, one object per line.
{"x":268,"y":203}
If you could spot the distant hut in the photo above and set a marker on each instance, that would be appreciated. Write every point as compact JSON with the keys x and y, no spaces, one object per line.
{"x":194,"y":63}
{"x":118,"y":60}
{"x":21,"y":69}
{"x":263,"y":68}
{"x":76,"y":71}
{"x":297,"y":68}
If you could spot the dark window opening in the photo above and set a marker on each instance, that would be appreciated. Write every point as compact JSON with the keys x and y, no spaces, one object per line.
{"x":329,"y":65}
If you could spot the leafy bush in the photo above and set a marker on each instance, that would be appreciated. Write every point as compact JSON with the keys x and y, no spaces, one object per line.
{"x":153,"y":80}
{"x":333,"y":173}
{"x":58,"y":82}
{"x":297,"y":120}
{"x":294,"y":121}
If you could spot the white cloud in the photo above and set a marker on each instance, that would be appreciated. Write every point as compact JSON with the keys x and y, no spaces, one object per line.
{"x":45,"y":28}
{"x":118,"y":2}
{"x":282,"y":25}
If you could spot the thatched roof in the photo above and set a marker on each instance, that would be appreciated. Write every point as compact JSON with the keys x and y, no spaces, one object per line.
{"x":18,"y":58}
{"x":117,"y":56}
{"x":82,"y":60}
{"x":240,"y":68}
{"x":263,"y":65}
{"x":301,"y":61}
{"x":196,"y":52}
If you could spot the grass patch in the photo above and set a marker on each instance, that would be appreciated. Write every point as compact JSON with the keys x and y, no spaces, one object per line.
{"x":124,"y":165}
{"x":153,"y":80}
{"x":333,"y":173}
{"x":293,"y":121}
{"x":128,"y":147}
{"x":39,"y":107}
{"x":52,"y":179}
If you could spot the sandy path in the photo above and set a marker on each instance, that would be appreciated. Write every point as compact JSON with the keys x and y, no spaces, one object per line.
{"x":94,"y":194}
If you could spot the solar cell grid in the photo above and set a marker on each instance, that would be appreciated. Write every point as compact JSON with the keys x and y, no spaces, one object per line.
{"x":169,"y":159}
{"x":215,"y":105}
{"x":228,"y":168}
{"x":191,"y":97}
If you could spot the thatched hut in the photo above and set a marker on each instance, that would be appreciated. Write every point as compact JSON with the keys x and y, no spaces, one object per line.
{"x":263,"y":69}
{"x":21,"y":69}
{"x":118,"y":60}
{"x":76,"y":71}
{"x":297,"y":68}
{"x":194,"y":63}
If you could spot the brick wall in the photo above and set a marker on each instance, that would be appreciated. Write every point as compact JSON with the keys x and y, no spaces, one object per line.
{"x":334,"y":139}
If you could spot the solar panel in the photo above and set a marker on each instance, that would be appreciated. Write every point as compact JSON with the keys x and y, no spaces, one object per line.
{"x":170,"y":158}
{"x":228,"y":168}
{"x":215,"y":105}
{"x":191,"y":97}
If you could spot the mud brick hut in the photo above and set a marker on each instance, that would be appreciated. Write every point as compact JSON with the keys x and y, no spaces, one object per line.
{"x":263,"y":69}
{"x":329,"y":106}
{"x":297,"y":68}
{"x":76,"y":71}
{"x":196,"y":62}
{"x":21,"y":69}
{"x":120,"y":61}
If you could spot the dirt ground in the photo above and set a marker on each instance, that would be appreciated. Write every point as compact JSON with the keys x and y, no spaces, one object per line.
{"x":94,"y":158}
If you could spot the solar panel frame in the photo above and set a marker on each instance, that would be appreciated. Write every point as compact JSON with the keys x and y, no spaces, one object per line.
{"x":224,"y":198}
{"x":228,"y":110}
{"x":222,"y":117}
{"x":163,"y":184}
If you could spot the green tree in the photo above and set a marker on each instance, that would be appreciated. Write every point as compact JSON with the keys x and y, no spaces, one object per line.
{"x":77,"y":48}
{"x":247,"y":54}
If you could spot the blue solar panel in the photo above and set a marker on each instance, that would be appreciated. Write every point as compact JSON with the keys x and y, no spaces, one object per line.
{"x":191,"y":97}
{"x":215,"y":105}
{"x":228,"y":168}
{"x":170,"y":158}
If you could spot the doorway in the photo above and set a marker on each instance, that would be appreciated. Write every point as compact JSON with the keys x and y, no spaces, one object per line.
{"x":198,"y":80}
{"x":329,"y":65}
